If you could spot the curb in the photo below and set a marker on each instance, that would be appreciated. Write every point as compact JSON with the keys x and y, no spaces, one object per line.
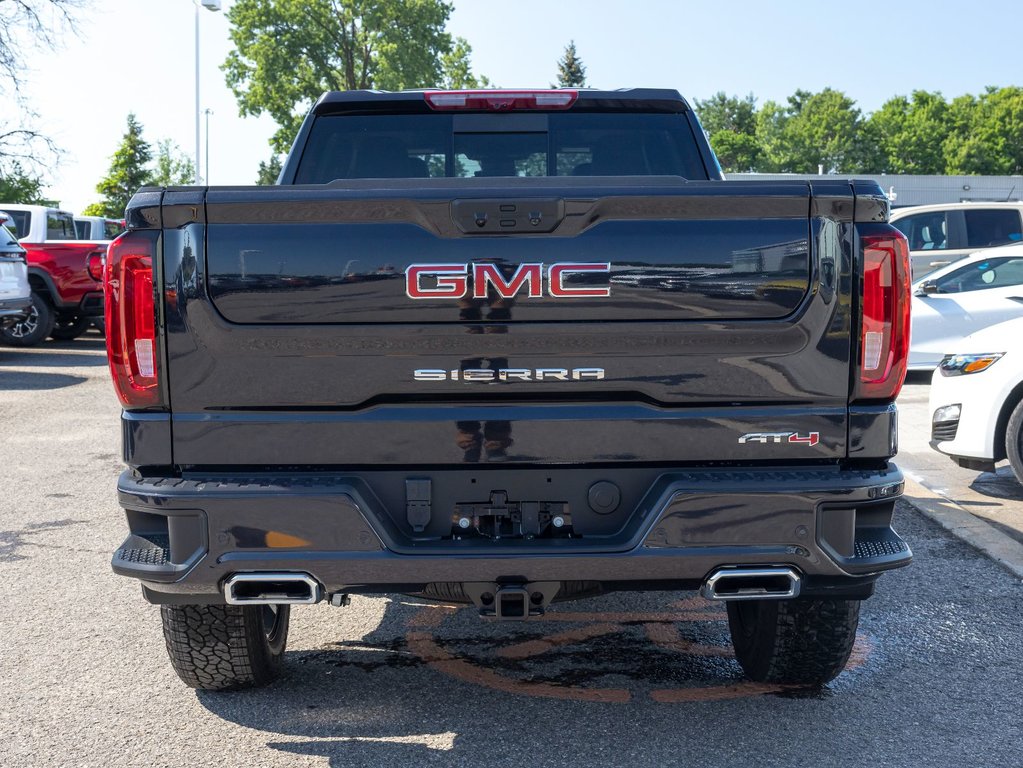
{"x":979,"y":534}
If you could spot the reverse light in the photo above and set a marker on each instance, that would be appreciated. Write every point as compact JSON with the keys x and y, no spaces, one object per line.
{"x":130,"y":313}
{"x":884,"y":313}
{"x":494,"y":100}
{"x":960,"y":365}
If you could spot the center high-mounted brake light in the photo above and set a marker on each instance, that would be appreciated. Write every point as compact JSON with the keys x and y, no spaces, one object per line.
{"x":130,"y":313}
{"x":501,"y":100}
{"x":884,"y":314}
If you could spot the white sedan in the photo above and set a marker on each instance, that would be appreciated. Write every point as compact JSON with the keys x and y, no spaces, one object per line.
{"x":962,"y":298}
{"x":976,"y":400}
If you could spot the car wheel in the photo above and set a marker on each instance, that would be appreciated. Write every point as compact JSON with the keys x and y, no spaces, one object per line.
{"x":225,"y":647}
{"x":67,"y":329}
{"x":32,"y":329}
{"x":1014,"y":441}
{"x":793,"y":642}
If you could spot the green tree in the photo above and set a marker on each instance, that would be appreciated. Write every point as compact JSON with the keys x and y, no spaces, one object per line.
{"x":910,"y":133}
{"x":288,"y":52}
{"x":986,"y":133}
{"x":173,"y":167}
{"x":19,"y":186}
{"x":731,"y":123}
{"x":571,"y":71}
{"x":129,"y":170}
{"x":815,"y":129}
{"x":269,"y":171}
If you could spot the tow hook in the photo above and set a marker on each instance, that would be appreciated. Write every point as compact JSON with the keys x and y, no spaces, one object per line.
{"x":512,"y":600}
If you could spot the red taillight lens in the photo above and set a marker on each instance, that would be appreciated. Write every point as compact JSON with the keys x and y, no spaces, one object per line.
{"x":94,"y":265}
{"x":130,"y":309}
{"x":501,"y":100}
{"x":884,"y":324}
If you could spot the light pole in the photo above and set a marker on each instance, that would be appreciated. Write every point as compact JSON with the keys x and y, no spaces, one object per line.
{"x":207,"y":112}
{"x":209,"y":5}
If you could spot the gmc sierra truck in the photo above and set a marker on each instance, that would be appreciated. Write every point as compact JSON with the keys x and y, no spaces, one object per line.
{"x":506,"y":349}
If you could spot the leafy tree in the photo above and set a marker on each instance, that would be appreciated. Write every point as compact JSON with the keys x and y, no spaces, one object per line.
{"x":19,"y":186}
{"x":814,"y":129}
{"x":27,"y":28}
{"x":731,"y":123}
{"x":96,"y":209}
{"x":288,"y":52}
{"x":571,"y":71}
{"x":129,"y":170}
{"x":269,"y":171}
{"x":987,"y":133}
{"x":173,"y":168}
{"x":910,"y":133}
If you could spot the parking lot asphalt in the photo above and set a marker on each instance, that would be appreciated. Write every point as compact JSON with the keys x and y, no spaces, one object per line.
{"x":621,"y":679}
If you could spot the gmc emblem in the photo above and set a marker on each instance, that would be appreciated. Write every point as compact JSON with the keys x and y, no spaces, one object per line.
{"x":453,"y":281}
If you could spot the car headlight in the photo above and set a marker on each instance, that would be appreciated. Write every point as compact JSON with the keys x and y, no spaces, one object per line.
{"x":960,"y":365}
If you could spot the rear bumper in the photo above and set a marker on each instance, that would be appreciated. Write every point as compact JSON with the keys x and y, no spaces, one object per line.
{"x":189,"y":535}
{"x":14,"y":309}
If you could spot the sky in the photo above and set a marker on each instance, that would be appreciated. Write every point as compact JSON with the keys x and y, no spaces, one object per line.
{"x":139,"y":56}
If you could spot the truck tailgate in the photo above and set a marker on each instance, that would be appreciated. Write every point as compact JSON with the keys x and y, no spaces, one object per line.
{"x":292,"y":337}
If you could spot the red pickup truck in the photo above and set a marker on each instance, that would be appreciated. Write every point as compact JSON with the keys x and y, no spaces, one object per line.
{"x":66,"y":275}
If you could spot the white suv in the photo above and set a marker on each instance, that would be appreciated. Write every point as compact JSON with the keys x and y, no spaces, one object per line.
{"x":943,"y":233}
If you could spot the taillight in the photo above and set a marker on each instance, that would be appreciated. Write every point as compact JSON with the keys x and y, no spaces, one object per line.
{"x":884,"y":313}
{"x":501,"y":100}
{"x":130,"y":310}
{"x":94,"y":265}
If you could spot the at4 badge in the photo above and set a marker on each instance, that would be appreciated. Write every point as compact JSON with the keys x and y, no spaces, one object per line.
{"x":810,"y":438}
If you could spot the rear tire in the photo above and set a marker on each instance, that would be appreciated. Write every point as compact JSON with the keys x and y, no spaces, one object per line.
{"x":1014,"y":441}
{"x":225,"y":647}
{"x":66,"y":330}
{"x":795,"y":642}
{"x":34,"y":328}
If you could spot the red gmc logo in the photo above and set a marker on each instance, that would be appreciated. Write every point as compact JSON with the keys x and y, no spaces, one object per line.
{"x":452,"y":281}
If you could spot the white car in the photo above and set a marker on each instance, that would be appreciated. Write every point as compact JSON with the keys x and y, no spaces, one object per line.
{"x":963,"y":298}
{"x":976,"y":400}
{"x":942,"y":233}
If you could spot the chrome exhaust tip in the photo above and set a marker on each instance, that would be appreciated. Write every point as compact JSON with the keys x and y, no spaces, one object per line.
{"x":272,"y":589}
{"x":740,"y":583}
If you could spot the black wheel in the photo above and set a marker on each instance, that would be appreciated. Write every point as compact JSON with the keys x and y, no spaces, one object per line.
{"x":100,"y":324}
{"x":34,"y":328}
{"x":65,"y":329}
{"x":1014,"y":441}
{"x":798,"y":642}
{"x":225,"y":647}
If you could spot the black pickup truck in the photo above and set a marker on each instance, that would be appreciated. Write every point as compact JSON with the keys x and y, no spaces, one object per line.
{"x":508,"y":348}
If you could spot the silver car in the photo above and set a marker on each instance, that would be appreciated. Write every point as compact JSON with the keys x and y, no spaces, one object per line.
{"x":15,"y":294}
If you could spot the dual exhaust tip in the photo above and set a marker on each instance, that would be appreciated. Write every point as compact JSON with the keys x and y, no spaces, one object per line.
{"x":740,"y":583}
{"x":767,"y":583}
{"x":272,"y":589}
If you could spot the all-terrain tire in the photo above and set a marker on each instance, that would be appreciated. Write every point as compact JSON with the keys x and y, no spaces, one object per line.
{"x":1014,"y":441}
{"x":225,"y":647}
{"x":34,"y":328}
{"x":796,"y":642}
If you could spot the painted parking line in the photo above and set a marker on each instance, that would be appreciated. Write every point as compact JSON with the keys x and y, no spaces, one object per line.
{"x":484,"y":658}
